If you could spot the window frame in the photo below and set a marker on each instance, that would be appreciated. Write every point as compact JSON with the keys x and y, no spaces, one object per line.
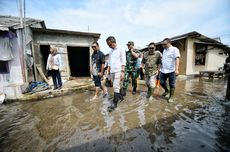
{"x":200,"y":54}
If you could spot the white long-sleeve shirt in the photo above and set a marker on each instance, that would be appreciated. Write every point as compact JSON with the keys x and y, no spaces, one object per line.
{"x":56,"y":61}
{"x":117,"y":58}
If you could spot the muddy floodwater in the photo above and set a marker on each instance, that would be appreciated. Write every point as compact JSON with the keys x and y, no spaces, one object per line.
{"x":198,"y":121}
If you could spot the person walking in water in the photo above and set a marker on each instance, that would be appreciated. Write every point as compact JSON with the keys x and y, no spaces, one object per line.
{"x":98,"y":63}
{"x":169,"y":68}
{"x":151,"y":63}
{"x":116,"y":69}
{"x":130,"y":68}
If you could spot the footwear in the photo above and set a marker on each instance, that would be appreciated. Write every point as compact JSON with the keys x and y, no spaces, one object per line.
{"x":115,"y":101}
{"x":165,"y":94}
{"x":172,"y":93}
{"x":59,"y":88}
{"x":170,"y":100}
{"x":55,"y":88}
{"x":134,"y":90}
{"x":150,"y":91}
{"x":123,"y":92}
{"x":112,"y":107}
{"x":120,"y":97}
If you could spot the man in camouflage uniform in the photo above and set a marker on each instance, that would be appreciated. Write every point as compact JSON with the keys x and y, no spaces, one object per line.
{"x":151,"y":63}
{"x":130,"y":68}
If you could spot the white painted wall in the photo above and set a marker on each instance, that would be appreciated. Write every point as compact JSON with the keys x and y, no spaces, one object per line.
{"x":212,"y":62}
{"x":214,"y":59}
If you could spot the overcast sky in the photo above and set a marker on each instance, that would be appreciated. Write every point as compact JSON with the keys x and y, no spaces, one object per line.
{"x":141,"y":21}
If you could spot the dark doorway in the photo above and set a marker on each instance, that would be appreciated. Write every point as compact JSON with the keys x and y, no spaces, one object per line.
{"x":45,"y":51}
{"x":79,"y":61}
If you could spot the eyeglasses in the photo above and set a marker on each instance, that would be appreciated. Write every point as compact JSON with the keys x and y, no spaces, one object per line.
{"x":94,"y":46}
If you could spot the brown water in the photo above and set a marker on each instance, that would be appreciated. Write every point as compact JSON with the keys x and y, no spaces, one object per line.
{"x":197,"y":121}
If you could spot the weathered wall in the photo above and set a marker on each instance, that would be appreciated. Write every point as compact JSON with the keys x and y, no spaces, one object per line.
{"x":10,"y":83}
{"x":214,"y":59}
{"x":15,"y":70}
{"x":181,"y":45}
{"x":212,"y":62}
{"x":61,"y":41}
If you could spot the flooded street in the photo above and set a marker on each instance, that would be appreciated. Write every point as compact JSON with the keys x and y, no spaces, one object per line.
{"x":197,"y":121}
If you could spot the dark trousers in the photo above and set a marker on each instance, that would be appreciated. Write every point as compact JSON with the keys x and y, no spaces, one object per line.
{"x":56,"y":76}
{"x":163,"y":80}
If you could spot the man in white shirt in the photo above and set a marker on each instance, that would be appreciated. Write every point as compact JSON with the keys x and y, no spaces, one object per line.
{"x":169,"y":68}
{"x":116,"y":69}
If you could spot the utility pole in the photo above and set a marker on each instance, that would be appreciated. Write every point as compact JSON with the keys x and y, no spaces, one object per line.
{"x":23,"y":39}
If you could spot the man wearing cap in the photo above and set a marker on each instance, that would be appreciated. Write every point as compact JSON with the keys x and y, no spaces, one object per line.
{"x":151,"y":63}
{"x":116,"y":69}
{"x":130,"y":68}
{"x":169,"y":67}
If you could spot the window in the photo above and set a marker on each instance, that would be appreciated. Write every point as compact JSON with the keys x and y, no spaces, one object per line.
{"x":200,"y":53}
{"x":4,"y":68}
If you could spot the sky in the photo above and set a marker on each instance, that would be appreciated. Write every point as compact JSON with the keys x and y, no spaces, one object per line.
{"x":141,"y":21}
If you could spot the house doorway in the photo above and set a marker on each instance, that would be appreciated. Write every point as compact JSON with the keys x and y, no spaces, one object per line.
{"x":45,"y":51}
{"x":79,"y":61}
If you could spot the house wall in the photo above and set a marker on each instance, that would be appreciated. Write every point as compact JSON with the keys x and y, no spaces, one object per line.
{"x":61,"y":41}
{"x":15,"y":70}
{"x":11,"y":83}
{"x":181,"y":45}
{"x":212,"y":61}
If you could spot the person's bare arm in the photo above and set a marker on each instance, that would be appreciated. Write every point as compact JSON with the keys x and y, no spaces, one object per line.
{"x":102,"y":70}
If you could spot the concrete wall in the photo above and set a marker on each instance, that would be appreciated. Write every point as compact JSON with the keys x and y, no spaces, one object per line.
{"x":61,"y":41}
{"x":15,"y":70}
{"x":181,"y":45}
{"x":213,"y":59}
{"x":11,"y":83}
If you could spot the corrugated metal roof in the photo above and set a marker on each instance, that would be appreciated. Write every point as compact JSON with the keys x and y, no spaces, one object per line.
{"x":7,"y":22}
{"x":202,"y":39}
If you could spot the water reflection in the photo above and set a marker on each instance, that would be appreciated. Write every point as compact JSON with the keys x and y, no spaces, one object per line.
{"x":197,"y":121}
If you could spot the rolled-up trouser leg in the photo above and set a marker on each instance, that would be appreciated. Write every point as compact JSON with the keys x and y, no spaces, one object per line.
{"x":116,"y":78}
{"x":152,"y":81}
